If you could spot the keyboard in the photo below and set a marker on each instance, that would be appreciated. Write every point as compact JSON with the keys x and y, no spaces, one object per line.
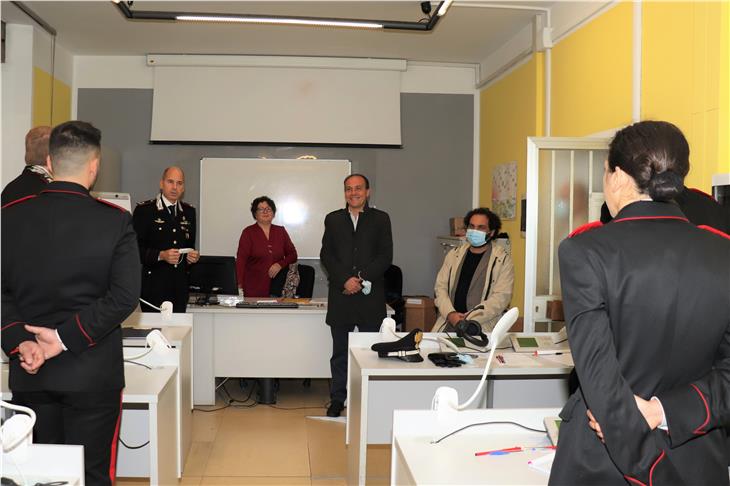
{"x":267,"y":305}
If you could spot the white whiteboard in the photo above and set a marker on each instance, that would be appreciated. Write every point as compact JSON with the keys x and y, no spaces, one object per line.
{"x":304,"y":192}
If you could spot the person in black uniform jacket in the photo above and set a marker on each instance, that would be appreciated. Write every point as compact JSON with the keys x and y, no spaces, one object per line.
{"x":699,"y":207}
{"x":648,"y":317}
{"x":357,"y":249}
{"x":69,"y":278}
{"x":36,"y":173}
{"x":164,"y":225}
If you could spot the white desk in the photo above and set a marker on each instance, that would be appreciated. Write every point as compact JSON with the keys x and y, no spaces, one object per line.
{"x":131,"y":463}
{"x":42,"y":463}
{"x":258,"y":343}
{"x":415,"y":460}
{"x":378,"y":386}
{"x":155,"y":391}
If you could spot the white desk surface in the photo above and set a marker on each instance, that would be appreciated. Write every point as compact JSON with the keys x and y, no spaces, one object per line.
{"x":142,"y":385}
{"x":452,"y":461}
{"x":221,"y":309}
{"x":42,"y":463}
{"x":175,"y":334}
{"x":515,"y":364}
{"x":317,"y":306}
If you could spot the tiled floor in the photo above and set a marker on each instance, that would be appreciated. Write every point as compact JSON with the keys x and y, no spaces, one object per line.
{"x":269,"y":445}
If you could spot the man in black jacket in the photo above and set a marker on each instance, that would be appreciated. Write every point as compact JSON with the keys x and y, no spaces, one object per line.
{"x":164,"y":225}
{"x":70,"y":276}
{"x":36,"y":173}
{"x":357,"y":249}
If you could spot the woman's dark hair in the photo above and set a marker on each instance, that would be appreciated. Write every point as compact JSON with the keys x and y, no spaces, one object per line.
{"x":495,"y":224}
{"x":655,"y":154}
{"x":255,"y":205}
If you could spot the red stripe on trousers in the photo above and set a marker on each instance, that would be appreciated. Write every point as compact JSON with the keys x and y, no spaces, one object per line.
{"x":115,"y":440}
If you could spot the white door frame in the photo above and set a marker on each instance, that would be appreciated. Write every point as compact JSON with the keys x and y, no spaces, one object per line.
{"x":534,"y":145}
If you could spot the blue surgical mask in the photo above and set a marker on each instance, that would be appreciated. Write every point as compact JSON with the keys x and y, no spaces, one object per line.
{"x":476,"y":238}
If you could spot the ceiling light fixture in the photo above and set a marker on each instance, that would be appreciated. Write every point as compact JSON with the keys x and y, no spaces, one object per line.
{"x":280,"y":21}
{"x":170,"y":16}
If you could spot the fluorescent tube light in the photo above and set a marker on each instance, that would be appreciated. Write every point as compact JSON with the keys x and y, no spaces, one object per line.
{"x":281,"y":21}
{"x":444,"y":7}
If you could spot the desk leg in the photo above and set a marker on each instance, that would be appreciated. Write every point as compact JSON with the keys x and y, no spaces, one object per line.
{"x":203,"y":373}
{"x":490,"y":393}
{"x":357,"y":418}
{"x":154,"y":445}
{"x":164,"y":438}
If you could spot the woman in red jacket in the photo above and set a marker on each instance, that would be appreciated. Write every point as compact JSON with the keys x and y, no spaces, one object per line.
{"x":264,"y":250}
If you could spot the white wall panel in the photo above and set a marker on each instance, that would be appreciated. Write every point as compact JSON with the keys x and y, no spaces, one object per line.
{"x":279,"y":105}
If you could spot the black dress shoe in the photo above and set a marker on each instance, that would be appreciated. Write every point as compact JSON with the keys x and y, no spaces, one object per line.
{"x":335,"y":408}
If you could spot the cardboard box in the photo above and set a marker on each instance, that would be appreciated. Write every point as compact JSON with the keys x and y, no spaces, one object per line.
{"x":420,"y":313}
{"x":555,"y":310}
{"x":456,"y":227}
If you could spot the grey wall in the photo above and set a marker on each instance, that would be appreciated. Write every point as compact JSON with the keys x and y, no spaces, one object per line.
{"x":420,"y":185}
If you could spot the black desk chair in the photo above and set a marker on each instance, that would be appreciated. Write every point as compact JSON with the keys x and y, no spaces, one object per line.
{"x":394,"y":294}
{"x":305,"y":289}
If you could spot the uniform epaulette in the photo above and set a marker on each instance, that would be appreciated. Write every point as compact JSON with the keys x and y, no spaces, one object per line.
{"x":702,"y":193}
{"x":22,"y":199}
{"x":714,"y":230}
{"x":111,"y":204}
{"x":585,"y":227}
{"x":187,"y":204}
{"x":149,"y":201}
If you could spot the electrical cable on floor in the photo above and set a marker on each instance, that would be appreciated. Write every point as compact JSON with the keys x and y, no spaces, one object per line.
{"x":502,"y":422}
{"x":237,"y":403}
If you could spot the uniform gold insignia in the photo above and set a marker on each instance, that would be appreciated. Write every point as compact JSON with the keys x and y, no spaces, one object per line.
{"x":159,"y":221}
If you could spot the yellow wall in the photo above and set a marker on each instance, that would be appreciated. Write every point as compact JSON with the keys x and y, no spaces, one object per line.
{"x":685,"y":57}
{"x":685,"y":80}
{"x":591,"y":76}
{"x":42,"y":99}
{"x":511,"y":110}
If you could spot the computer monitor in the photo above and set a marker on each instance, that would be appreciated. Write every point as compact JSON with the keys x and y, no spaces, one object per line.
{"x":214,"y":275}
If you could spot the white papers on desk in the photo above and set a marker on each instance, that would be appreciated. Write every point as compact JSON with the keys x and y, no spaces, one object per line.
{"x":543,"y":464}
{"x":229,"y":300}
{"x":518,"y":360}
{"x":565,"y":359}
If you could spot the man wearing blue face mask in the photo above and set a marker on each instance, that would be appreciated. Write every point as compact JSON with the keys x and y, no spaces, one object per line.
{"x":476,"y":273}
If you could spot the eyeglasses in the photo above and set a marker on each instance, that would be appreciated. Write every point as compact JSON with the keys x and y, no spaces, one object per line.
{"x":263,"y":210}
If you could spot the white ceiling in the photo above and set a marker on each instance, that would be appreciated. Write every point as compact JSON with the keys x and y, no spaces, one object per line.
{"x":467,"y":34}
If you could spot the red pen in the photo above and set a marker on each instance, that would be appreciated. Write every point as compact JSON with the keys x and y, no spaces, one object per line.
{"x":510,"y":450}
{"x":499,"y":451}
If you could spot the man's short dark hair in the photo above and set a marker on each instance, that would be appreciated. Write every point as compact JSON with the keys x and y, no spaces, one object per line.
{"x":255,"y":205}
{"x":495,"y":224}
{"x":367,"y":182}
{"x":72,"y":144}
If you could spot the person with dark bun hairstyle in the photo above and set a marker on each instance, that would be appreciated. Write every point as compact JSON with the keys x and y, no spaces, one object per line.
{"x":647,"y":311}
